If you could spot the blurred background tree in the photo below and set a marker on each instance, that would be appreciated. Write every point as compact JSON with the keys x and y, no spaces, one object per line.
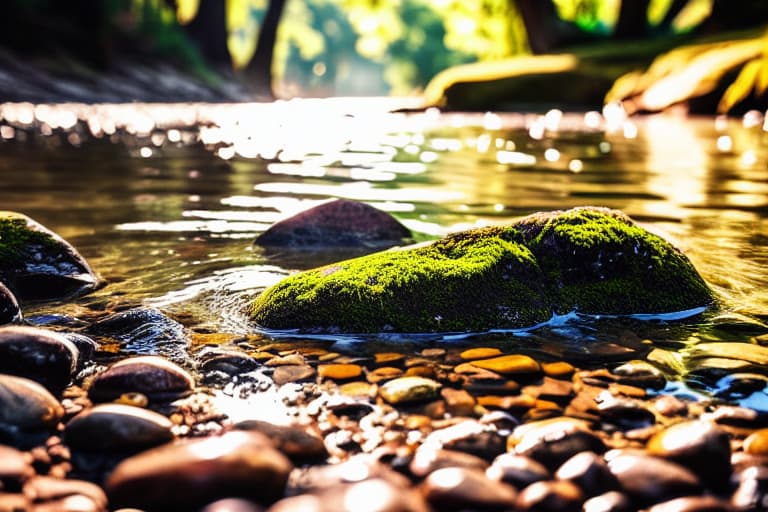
{"x":347,"y":47}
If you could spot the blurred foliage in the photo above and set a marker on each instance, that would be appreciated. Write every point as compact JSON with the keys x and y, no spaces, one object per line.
{"x":697,"y":70}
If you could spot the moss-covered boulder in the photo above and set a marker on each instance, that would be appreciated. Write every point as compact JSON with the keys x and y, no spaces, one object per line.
{"x":592,"y":260}
{"x":466,"y":281}
{"x":599,"y":261}
{"x":37,"y":264}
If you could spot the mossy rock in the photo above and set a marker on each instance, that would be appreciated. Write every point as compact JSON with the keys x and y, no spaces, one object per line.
{"x":466,"y":281}
{"x":598,"y":261}
{"x":37,"y":264}
{"x":592,"y":260}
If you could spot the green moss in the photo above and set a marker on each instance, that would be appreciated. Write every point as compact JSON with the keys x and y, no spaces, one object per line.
{"x":599,"y":261}
{"x":37,"y":264}
{"x":468,"y":281}
{"x":592,"y":260}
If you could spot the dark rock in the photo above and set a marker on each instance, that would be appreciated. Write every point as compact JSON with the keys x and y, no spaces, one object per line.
{"x":340,"y":222}
{"x":10,"y":312}
{"x":117,"y":427}
{"x":69,"y":495}
{"x":694,"y":504}
{"x":293,"y":441}
{"x":517,"y":470}
{"x":550,"y":496}
{"x":701,"y":446}
{"x":429,"y":458}
{"x":26,"y":406}
{"x":356,"y":468}
{"x":590,"y":472}
{"x":145,"y":331}
{"x":648,"y":480}
{"x":371,"y":494}
{"x":152,"y":376}
{"x":611,"y":501}
{"x":470,"y":437}
{"x":230,"y":362}
{"x":553,"y":441}
{"x":38,"y":354}
{"x":37,"y":264}
{"x":86,"y":348}
{"x":455,"y":488}
{"x":188,"y":475}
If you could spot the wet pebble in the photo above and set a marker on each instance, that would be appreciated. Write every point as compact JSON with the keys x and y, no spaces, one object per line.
{"x":611,"y":501}
{"x":694,"y":504}
{"x":285,"y":373}
{"x":701,"y":446}
{"x":340,"y":371}
{"x":232,"y":505}
{"x":405,"y":390}
{"x":517,"y":470}
{"x":200,"y":471}
{"x":550,"y":496}
{"x":553,"y":441}
{"x":512,"y":364}
{"x":117,"y":427}
{"x":26,"y":407}
{"x":15,"y":468}
{"x":10,"y":312}
{"x":153,"y":376}
{"x":590,"y":472}
{"x":57,"y":495}
{"x":295,"y":442}
{"x":648,"y":480}
{"x":44,"y":356}
{"x":461,"y":488}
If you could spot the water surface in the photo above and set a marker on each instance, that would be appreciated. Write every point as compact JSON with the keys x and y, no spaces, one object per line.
{"x":165,"y":201}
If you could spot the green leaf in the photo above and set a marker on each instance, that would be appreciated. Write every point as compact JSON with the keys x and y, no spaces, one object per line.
{"x":741,"y":87}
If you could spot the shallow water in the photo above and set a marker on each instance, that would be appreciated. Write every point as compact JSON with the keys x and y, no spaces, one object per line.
{"x":165,"y":201}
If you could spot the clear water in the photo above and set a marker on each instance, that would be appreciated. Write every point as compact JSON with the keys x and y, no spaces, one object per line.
{"x":165,"y":201}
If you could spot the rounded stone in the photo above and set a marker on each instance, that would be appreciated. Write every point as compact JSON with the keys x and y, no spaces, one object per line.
{"x":371,"y":495}
{"x":117,"y":427}
{"x":694,"y":504}
{"x":757,"y":442}
{"x":292,"y":440}
{"x":553,"y":441}
{"x":517,"y":470}
{"x":26,"y":405}
{"x":37,"y":264}
{"x":457,"y":488}
{"x":405,"y":390}
{"x":512,"y":364}
{"x":590,"y":472}
{"x":339,"y":222}
{"x":66,"y":495}
{"x":189,"y":474}
{"x":10,"y":311}
{"x":648,"y":480}
{"x":701,"y":446}
{"x":340,"y":371}
{"x":153,"y":376}
{"x":480,"y":353}
{"x":15,"y":467}
{"x":44,"y":356}
{"x":550,"y":496}
{"x":611,"y":501}
{"x":232,"y":505}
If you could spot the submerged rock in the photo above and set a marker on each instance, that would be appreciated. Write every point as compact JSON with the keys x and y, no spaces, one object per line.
{"x":10,"y":312}
{"x":37,"y":264}
{"x":593,"y":260}
{"x":337,"y":223}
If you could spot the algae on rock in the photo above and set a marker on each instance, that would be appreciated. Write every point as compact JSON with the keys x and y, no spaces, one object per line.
{"x":593,"y":260}
{"x":37,"y":264}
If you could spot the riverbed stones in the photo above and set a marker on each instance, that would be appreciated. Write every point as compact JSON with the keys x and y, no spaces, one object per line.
{"x":45,"y":356}
{"x":592,"y":260}
{"x":189,"y":474}
{"x":117,"y":427}
{"x":336,"y":223}
{"x":456,"y":488}
{"x":37,"y":264}
{"x":648,"y":480}
{"x":153,"y":376}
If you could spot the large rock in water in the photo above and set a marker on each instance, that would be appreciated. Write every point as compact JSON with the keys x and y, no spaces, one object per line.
{"x":337,"y":223}
{"x":593,"y":260}
{"x":37,"y":264}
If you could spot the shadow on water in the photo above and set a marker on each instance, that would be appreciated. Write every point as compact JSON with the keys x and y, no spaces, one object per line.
{"x":165,"y":201}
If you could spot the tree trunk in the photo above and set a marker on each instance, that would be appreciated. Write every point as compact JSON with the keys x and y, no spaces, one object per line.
{"x":259,"y":69}
{"x":633,"y":20}
{"x":540,"y":20}
{"x":208,"y":32}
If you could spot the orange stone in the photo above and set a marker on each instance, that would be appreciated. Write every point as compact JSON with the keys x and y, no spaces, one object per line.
{"x":512,"y":364}
{"x":480,"y":353}
{"x":340,"y":371}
